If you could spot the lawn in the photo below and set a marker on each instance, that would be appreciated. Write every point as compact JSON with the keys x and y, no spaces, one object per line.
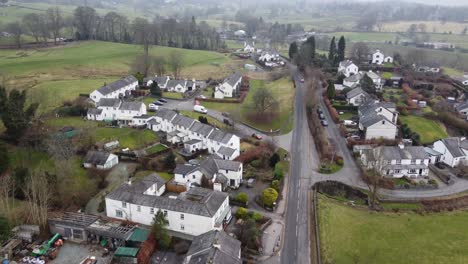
{"x":53,"y":75}
{"x":76,"y":122}
{"x":283,"y":92}
{"x":127,"y":137}
{"x":347,"y":115}
{"x":429,"y":130}
{"x":155,"y":149}
{"x":350,"y":235}
{"x":173,"y":95}
{"x":211,"y":120}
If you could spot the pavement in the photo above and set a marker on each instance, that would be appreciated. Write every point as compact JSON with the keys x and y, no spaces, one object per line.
{"x":73,"y":253}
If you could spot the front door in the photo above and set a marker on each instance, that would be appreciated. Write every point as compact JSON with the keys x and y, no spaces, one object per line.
{"x":232,"y":182}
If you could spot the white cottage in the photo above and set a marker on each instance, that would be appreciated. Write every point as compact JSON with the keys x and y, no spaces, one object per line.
{"x":117,"y":89}
{"x":357,"y":96}
{"x":378,"y":120}
{"x":230,"y":87}
{"x":190,"y":213}
{"x":100,"y":160}
{"x":378,"y":57}
{"x":348,"y":68}
{"x":116,"y":110}
{"x":454,"y":151}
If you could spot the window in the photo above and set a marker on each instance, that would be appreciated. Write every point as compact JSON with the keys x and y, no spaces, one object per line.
{"x":412,"y":171}
{"x":227,"y":171}
{"x":413,"y":161}
{"x":397,"y":171}
{"x":151,"y":210}
{"x":138,"y":208}
{"x":398,"y":162}
{"x":181,"y":216}
{"x":124,"y":204}
{"x":118,"y":213}
{"x":182,"y":227}
{"x":165,"y":212}
{"x":193,"y":177}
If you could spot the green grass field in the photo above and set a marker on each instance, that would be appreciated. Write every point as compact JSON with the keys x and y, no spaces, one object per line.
{"x":127,"y":137}
{"x":281,"y":89}
{"x":173,"y":95}
{"x":53,"y":75}
{"x":429,"y":130}
{"x":155,"y":149}
{"x":350,"y":235}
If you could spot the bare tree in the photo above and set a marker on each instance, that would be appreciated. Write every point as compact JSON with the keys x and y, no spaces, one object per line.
{"x":360,"y":52}
{"x":7,"y":190}
{"x":55,"y":22}
{"x":144,"y":36}
{"x":16,"y":29}
{"x":159,"y":65}
{"x":60,"y":147}
{"x":175,"y":63}
{"x":372,"y":180}
{"x":34,"y":24}
{"x":263,"y":100}
{"x":38,"y":196}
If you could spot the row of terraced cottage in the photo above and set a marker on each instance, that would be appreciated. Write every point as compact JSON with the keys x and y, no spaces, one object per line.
{"x":191,"y":213}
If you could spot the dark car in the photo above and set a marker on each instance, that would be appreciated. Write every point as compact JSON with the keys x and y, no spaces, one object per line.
{"x":158,"y":103}
{"x":324,"y":123}
{"x":319,"y":110}
{"x":162,"y":100}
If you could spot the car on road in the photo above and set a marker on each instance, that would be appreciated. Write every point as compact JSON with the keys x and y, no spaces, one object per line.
{"x":321,"y":116}
{"x":225,"y":114}
{"x":324,"y":123}
{"x":162,"y":100}
{"x":158,"y":103}
{"x":200,"y":109}
{"x":257,"y":136}
{"x":319,"y":110}
{"x":153,"y":107}
{"x":302,"y":80}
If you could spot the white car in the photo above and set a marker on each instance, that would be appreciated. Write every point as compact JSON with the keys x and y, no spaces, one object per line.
{"x":200,"y":109}
{"x":153,"y":107}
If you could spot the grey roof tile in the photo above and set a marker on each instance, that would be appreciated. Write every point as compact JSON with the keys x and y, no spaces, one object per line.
{"x":112,"y":87}
{"x":96,"y":157}
{"x":214,"y":247}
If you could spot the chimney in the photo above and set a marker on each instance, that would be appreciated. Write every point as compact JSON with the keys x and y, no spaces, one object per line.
{"x":401,"y":145}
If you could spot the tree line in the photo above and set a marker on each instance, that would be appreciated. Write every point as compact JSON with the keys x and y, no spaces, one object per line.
{"x":86,"y":24}
{"x":306,"y":54}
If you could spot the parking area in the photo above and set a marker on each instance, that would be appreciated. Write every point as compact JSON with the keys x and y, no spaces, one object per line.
{"x":74,"y":253}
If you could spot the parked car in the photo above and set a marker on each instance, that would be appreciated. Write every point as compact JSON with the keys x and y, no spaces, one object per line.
{"x":355,"y":137}
{"x":349,"y":123}
{"x":158,"y":103}
{"x":321,"y":116}
{"x":162,"y":100}
{"x":302,"y":80}
{"x":324,"y":123}
{"x":250,"y":182}
{"x":200,"y":109}
{"x":225,"y":114}
{"x":257,"y":136}
{"x":319,"y":110}
{"x":153,"y":107}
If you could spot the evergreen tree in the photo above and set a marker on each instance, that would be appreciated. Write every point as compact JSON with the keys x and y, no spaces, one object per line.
{"x":159,"y":230}
{"x":4,"y":159}
{"x":311,"y":42}
{"x":331,"y":90}
{"x":293,"y":50}
{"x":15,"y":116}
{"x":155,"y":90}
{"x":332,"y":51}
{"x":367,"y":84}
{"x":341,"y":49}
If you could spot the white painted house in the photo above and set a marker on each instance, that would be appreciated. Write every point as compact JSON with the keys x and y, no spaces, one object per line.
{"x":116,"y":90}
{"x":116,"y":110}
{"x":357,"y":96}
{"x":160,"y":80}
{"x":178,"y":86}
{"x":230,"y":87}
{"x":249,"y":46}
{"x":454,"y":151}
{"x":397,"y":161}
{"x":190,"y":213}
{"x":100,"y":160}
{"x":221,"y":173}
{"x":348,"y":68}
{"x":378,"y":120}
{"x":354,"y":80}
{"x":269,"y":55}
{"x":378,"y":57}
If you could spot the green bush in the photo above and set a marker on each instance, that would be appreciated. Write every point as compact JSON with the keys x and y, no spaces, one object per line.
{"x":275,"y":185}
{"x":279,"y":171}
{"x":257,"y":217}
{"x":242,"y":197}
{"x":340,"y":162}
{"x":255,"y":163}
{"x":241,"y":213}
{"x":269,"y":196}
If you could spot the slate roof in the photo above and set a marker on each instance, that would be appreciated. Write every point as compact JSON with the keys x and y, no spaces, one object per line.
{"x":96,"y":157}
{"x":370,"y":120}
{"x":226,"y":151}
{"x":117,"y":85}
{"x":166,"y":114}
{"x":184,"y":169}
{"x":220,"y":136}
{"x":109,"y":102}
{"x":396,"y":153}
{"x":130,"y":106}
{"x":94,"y":111}
{"x":354,"y":78}
{"x":455,"y":146}
{"x":192,"y":141}
{"x":183,"y":121}
{"x":233,"y":79}
{"x":202,"y":129}
{"x":212,"y":166}
{"x":153,"y":121}
{"x":174,"y":83}
{"x":214,"y":247}
{"x":462,"y":106}
{"x":197,"y":201}
{"x":346,"y":63}
{"x":372,"y":75}
{"x":355,"y":92}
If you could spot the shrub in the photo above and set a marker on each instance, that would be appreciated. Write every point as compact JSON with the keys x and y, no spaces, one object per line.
{"x":269,"y":196}
{"x":275,"y":158}
{"x":255,"y":163}
{"x":242,"y":197}
{"x":340,"y":162}
{"x":279,"y":171}
{"x":241,"y":213}
{"x":257,"y":217}
{"x":275,"y":185}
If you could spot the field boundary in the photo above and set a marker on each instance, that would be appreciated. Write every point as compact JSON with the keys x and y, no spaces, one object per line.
{"x":317,"y":257}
